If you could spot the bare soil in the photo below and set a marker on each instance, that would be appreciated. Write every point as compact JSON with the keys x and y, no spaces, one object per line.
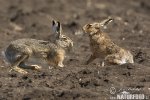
{"x":76,"y":81}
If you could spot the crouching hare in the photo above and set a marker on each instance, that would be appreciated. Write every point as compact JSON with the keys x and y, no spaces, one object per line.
{"x":103,"y":47}
{"x":20,"y":50}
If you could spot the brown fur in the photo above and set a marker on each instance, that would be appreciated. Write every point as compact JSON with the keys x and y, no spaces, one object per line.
{"x":103,"y":47}
{"x":20,"y":50}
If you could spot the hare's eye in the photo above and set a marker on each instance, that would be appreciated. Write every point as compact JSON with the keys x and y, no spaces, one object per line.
{"x":89,"y":25}
{"x":97,"y":27}
{"x":64,"y":38}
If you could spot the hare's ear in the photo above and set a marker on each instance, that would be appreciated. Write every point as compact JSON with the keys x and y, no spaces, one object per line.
{"x":106,"y":21}
{"x":54,"y":26}
{"x":53,"y":23}
{"x":59,"y":28}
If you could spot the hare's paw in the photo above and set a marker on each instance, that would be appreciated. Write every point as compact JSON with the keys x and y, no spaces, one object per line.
{"x":20,"y":70}
{"x":102,"y":63}
{"x":116,"y":61}
{"x":50,"y":67}
{"x":60,"y":65}
{"x":36,"y":67}
{"x":122,"y":61}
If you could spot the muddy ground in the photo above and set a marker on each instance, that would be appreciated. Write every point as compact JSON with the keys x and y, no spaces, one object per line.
{"x":76,"y":81}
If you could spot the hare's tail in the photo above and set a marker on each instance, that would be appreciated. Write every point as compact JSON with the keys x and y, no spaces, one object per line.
{"x":4,"y":58}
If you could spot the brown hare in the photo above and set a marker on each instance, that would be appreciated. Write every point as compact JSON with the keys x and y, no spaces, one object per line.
{"x":103,"y":47}
{"x":20,"y":50}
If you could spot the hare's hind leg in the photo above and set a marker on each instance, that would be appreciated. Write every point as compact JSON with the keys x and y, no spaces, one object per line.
{"x":36,"y":67}
{"x":130,"y":58}
{"x":33,"y":67}
{"x":115,"y":59}
{"x":16,"y":65}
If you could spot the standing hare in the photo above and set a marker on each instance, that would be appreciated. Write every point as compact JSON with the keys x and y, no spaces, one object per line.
{"x":20,"y":50}
{"x":103,"y":47}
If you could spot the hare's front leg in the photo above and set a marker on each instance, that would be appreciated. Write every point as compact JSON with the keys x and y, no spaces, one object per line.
{"x":92,"y":57}
{"x":59,"y":59}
